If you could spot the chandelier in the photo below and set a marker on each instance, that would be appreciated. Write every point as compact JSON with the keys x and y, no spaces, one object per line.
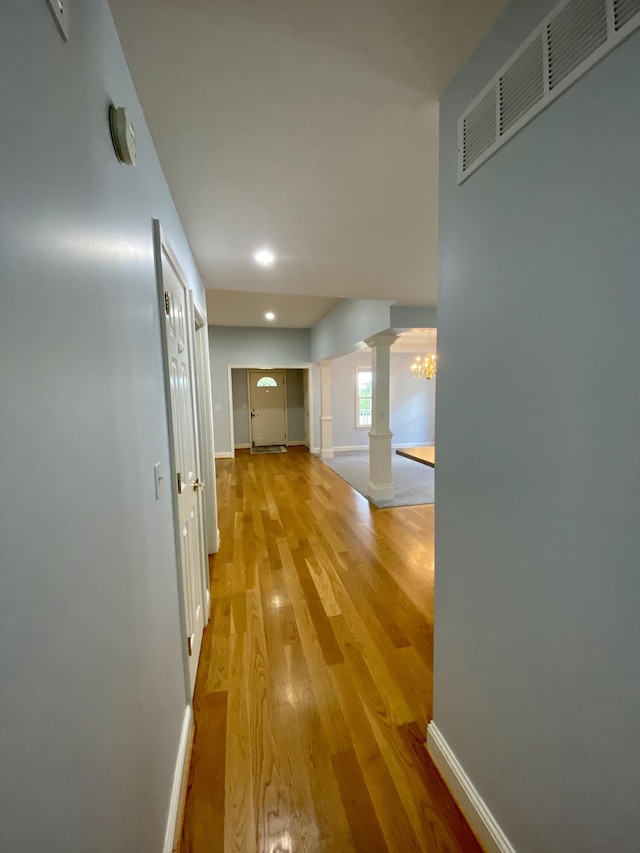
{"x":424,"y":367}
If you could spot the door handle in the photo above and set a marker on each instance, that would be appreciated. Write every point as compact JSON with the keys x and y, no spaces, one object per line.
{"x":197,"y":485}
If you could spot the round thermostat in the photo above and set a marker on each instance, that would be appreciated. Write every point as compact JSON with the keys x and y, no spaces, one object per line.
{"x":123,"y":135}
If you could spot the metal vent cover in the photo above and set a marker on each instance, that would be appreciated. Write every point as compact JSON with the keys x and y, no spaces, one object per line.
{"x":522,"y":85}
{"x":479,"y":129}
{"x":623,"y":12}
{"x":573,"y":37}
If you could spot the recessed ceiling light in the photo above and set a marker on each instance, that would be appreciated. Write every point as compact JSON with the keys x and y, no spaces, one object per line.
{"x":269,"y":315}
{"x":264,"y":257}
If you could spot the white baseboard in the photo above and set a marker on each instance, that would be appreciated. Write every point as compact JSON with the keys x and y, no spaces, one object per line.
{"x":245,"y":446}
{"x":178,"y":777}
{"x":226,"y":454}
{"x":473,"y":806}
{"x":295,"y":443}
{"x":315,"y":451}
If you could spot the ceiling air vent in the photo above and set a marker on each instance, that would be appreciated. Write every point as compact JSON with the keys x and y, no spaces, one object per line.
{"x":574,"y":34}
{"x":522,"y":85}
{"x":479,"y":129}
{"x":573,"y":37}
{"x":623,"y":12}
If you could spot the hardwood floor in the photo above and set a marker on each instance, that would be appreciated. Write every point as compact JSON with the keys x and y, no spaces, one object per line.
{"x":314,"y":687}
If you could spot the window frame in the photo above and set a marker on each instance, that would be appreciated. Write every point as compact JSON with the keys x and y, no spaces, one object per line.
{"x":359,"y":370}
{"x":262,"y":384}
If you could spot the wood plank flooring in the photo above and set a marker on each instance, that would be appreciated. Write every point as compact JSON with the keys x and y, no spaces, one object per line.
{"x":314,"y":686}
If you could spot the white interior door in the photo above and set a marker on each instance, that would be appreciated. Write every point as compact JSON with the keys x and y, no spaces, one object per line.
{"x":186,"y":483}
{"x":268,"y":401}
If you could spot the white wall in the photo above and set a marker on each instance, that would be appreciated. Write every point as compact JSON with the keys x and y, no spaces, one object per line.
{"x":92,"y":692}
{"x":230,"y":346}
{"x":412,"y":402}
{"x":537,"y":671}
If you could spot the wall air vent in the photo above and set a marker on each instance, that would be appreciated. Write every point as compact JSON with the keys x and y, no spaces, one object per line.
{"x":479,"y":129}
{"x":573,"y":37}
{"x":521,"y":85}
{"x":623,"y":11}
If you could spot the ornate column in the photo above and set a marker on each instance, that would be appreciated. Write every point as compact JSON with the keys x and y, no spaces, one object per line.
{"x":326,"y":419}
{"x":380,"y":477}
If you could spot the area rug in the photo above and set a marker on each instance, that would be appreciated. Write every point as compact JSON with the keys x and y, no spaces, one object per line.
{"x":413,"y":483}
{"x":270,"y":448}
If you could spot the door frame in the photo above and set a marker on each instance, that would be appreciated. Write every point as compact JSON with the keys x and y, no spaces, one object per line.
{"x":162,"y":246}
{"x":286,"y":408}
{"x":205,"y":434}
{"x":304,"y":366}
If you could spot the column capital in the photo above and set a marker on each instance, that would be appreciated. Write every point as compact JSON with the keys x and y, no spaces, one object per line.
{"x":385,"y":339}
{"x":325,"y":362}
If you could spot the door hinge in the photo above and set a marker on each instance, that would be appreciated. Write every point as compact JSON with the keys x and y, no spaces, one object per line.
{"x":179,"y":477}
{"x":167,"y":303}
{"x":190,"y":644}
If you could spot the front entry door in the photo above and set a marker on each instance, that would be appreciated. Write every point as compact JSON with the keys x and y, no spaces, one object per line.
{"x":185,"y":477}
{"x":268,"y":402}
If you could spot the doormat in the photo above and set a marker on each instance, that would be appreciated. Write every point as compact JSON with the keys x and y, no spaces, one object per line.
{"x":270,"y":448}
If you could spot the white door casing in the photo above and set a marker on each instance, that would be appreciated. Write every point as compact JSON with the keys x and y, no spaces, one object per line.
{"x":185,"y":481}
{"x":268,"y":407}
{"x":199,"y":424}
{"x":307,"y":425}
{"x":205,"y":435}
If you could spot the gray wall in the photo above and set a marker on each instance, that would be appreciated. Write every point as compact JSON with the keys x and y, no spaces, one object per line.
{"x":295,"y":406}
{"x":348,"y":323}
{"x":537,"y":671}
{"x":343,"y":400}
{"x":241,"y":408}
{"x":240,"y":394}
{"x":413,"y":317}
{"x":412,"y":402}
{"x":231,"y":346}
{"x":92,"y":692}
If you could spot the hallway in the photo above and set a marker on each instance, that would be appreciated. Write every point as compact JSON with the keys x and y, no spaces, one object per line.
{"x":314,"y":686}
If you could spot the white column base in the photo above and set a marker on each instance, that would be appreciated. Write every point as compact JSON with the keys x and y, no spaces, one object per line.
{"x":326,"y":437}
{"x":380,"y":493}
{"x":380,"y":475}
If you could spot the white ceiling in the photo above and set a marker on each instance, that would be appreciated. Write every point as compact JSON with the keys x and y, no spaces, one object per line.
{"x":240,"y":308}
{"x":416,"y":341}
{"x":307,"y":125}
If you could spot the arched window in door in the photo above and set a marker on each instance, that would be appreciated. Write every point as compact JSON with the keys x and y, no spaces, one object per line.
{"x":266,"y":382}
